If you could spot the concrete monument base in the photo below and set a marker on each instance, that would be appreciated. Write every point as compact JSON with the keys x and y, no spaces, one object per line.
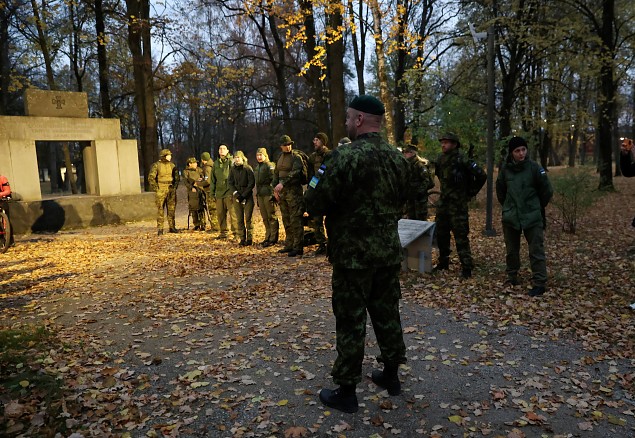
{"x":80,"y":211}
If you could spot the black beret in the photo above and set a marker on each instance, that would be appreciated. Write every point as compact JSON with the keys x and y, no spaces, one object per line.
{"x":368,"y":104}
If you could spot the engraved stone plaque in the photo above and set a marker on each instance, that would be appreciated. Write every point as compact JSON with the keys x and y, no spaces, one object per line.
{"x":44,"y":103}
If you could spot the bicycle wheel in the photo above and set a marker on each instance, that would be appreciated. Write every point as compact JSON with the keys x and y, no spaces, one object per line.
{"x":5,"y":232}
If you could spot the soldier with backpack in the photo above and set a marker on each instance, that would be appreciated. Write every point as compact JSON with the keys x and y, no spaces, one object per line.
{"x":289,"y":176}
{"x":460,"y":179}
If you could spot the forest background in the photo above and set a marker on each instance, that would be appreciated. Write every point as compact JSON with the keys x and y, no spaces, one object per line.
{"x":191,"y":74}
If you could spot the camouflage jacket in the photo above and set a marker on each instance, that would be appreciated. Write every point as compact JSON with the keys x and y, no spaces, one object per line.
{"x":362,"y":193}
{"x":194,"y":178}
{"x":163,"y":172}
{"x":456,"y":176}
{"x":420,"y":178}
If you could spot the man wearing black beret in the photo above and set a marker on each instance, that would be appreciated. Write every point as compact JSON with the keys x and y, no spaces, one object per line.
{"x":361,"y":191}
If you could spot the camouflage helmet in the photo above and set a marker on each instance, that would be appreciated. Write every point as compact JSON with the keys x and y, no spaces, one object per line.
{"x":286,"y":140}
{"x":191,"y":160}
{"x":450,"y":136}
{"x":165,"y":153}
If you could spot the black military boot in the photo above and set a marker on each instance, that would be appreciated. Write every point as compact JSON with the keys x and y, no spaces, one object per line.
{"x":343,"y":399}
{"x":321,"y":249}
{"x":296,"y":252}
{"x":173,"y":230}
{"x":160,"y":232}
{"x":387,"y":379}
{"x":536,"y":291}
{"x":248,"y":242}
{"x":466,"y":273}
{"x":443,"y":265}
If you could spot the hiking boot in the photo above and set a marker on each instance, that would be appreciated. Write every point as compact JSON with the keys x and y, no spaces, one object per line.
{"x":248,"y":242}
{"x":390,"y":382}
{"x":242,"y":243}
{"x":283,"y":250}
{"x":159,"y":232}
{"x":222,"y":237}
{"x":321,"y":250}
{"x":511,"y":282}
{"x":174,"y":230}
{"x":196,"y":228}
{"x":441,"y":266}
{"x":342,"y":399}
{"x":296,"y":252}
{"x":466,"y":273}
{"x":536,"y":291}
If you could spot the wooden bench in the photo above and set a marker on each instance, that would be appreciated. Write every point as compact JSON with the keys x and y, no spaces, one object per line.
{"x":416,"y":240}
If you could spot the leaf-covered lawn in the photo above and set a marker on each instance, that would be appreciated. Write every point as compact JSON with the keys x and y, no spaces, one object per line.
{"x":115,"y":331}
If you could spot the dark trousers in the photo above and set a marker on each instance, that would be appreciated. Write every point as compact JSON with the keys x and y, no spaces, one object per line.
{"x":458,"y":224}
{"x":537,"y":260}
{"x":356,"y":291}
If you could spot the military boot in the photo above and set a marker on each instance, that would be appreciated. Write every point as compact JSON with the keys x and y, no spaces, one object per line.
{"x":387,"y":379}
{"x":442,"y":265}
{"x":343,"y":399}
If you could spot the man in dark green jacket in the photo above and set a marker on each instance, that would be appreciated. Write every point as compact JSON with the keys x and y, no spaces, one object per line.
{"x":220,"y":190}
{"x":524,"y":190}
{"x":362,"y":190}
{"x":420,"y":182}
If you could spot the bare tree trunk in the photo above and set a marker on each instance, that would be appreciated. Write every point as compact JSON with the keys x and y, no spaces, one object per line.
{"x":335,"y":63}
{"x":138,"y":13}
{"x":359,"y":47}
{"x":5,"y":63}
{"x":607,"y":99}
{"x":102,"y":60}
{"x":382,"y":70}
{"x":313,"y":73}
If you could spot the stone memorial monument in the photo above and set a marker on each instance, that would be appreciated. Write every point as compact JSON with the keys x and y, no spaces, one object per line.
{"x":111,"y":164}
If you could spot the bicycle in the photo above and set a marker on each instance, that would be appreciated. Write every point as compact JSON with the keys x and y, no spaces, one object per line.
{"x":5,"y":227}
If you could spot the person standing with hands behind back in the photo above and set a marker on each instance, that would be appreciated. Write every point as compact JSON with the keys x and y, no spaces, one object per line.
{"x":362,"y":191}
{"x":524,"y":190}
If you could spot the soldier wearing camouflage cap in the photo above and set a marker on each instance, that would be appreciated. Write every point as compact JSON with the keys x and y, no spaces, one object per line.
{"x":362,"y":191}
{"x":163,"y":179}
{"x":460,"y":179}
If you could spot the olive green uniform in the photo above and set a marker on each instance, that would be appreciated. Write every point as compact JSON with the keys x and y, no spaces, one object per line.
{"x":193,"y":179}
{"x":163,"y":179}
{"x":455,"y":176}
{"x":524,"y":190}
{"x":211,"y":200}
{"x":316,"y":223}
{"x":263,"y":174}
{"x":362,"y":194}
{"x":420,"y":182}
{"x":241,"y":183}
{"x":288,"y":171}
{"x":220,"y":190}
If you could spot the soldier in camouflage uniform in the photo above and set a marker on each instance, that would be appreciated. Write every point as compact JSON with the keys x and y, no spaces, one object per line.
{"x":320,"y":153}
{"x":196,"y":186}
{"x":287,"y":189}
{"x":460,"y":180}
{"x":263,"y":173}
{"x":362,"y":192}
{"x":207,"y":164}
{"x":421,"y":181}
{"x":241,"y":184}
{"x":163,"y":179}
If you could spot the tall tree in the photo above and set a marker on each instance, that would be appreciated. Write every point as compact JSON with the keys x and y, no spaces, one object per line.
{"x":335,"y":68}
{"x":140,"y":44}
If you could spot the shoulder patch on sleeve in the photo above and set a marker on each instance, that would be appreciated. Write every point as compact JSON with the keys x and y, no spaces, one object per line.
{"x":542,"y":171}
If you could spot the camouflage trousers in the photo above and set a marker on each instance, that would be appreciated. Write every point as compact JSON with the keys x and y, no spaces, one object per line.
{"x":457,"y":223}
{"x":537,"y":260}
{"x":269,"y":218}
{"x":165,"y":198}
{"x":292,"y":209}
{"x":417,"y":209}
{"x":356,"y":291}
{"x":316,"y":223}
{"x":244,"y":224}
